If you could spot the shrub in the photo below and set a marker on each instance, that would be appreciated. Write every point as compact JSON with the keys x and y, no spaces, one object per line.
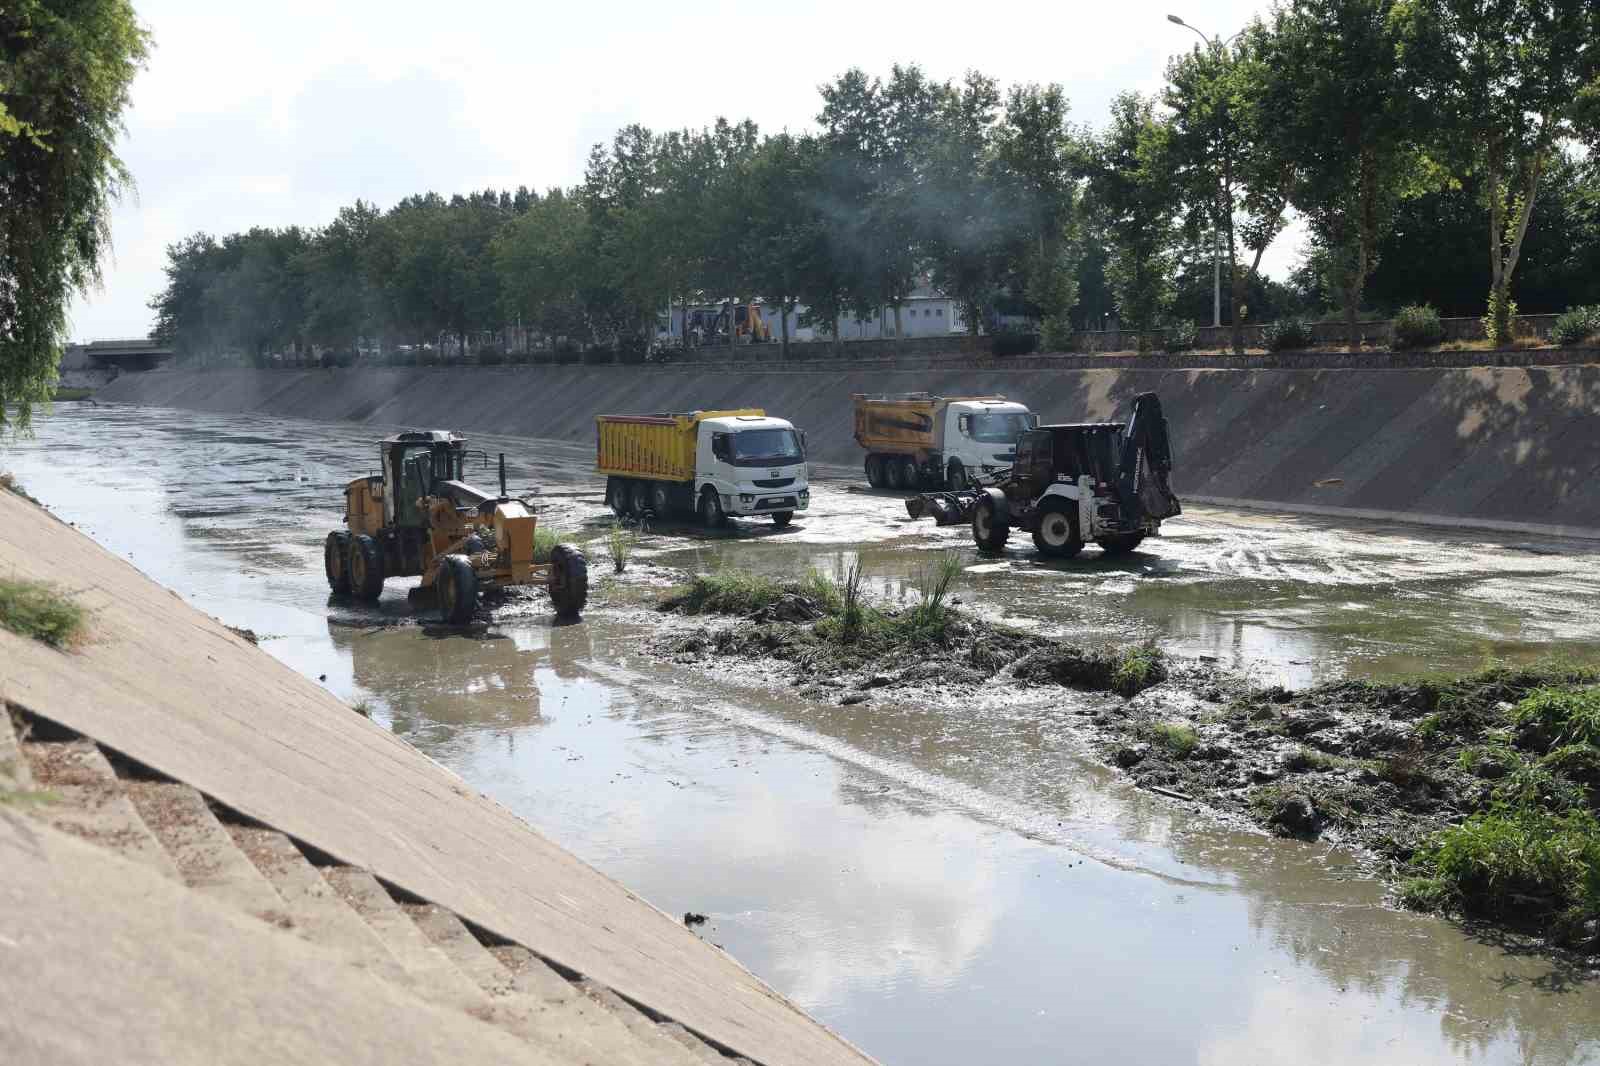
{"x":490,"y":355}
{"x":1417,"y":326}
{"x":619,"y":545}
{"x":1182,"y":336}
{"x":328,"y":361}
{"x":1288,"y":335}
{"x":35,"y":609}
{"x":1137,"y":669}
{"x":1579,"y":325}
{"x":1010,"y":342}
{"x":1055,"y":334}
{"x":544,"y":541}
{"x":1500,"y":861}
{"x":346,"y":358}
{"x":1550,"y":717}
{"x":1178,"y":739}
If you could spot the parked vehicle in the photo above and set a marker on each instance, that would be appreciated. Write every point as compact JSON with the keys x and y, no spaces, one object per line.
{"x":917,"y":440}
{"x":710,"y":464}
{"x":1106,"y":481}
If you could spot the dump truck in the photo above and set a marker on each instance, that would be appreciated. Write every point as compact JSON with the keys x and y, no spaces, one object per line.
{"x":420,"y":517}
{"x":707,"y":464}
{"x":916,"y":440}
{"x":1106,"y":482}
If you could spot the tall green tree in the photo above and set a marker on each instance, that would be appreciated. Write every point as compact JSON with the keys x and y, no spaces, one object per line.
{"x":1347,"y":118}
{"x":1038,"y":165}
{"x":1507,"y":85}
{"x":1136,"y":206}
{"x":65,"y":71}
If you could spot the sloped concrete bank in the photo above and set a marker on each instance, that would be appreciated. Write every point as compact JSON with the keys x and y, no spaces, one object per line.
{"x":1510,"y":448}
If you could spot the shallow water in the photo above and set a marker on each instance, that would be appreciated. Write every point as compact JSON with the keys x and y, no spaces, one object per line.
{"x":939,"y":887}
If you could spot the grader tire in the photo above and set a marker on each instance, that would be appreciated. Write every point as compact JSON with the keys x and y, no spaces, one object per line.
{"x":366,"y":568}
{"x":458,"y":589}
{"x":336,"y":561}
{"x":569,"y":581}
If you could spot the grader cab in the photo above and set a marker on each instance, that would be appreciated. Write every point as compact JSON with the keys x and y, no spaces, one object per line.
{"x":420,"y":517}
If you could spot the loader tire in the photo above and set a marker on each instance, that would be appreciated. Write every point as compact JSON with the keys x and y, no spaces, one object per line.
{"x":1120,"y":545}
{"x":1057,"y":536}
{"x":955,"y":477}
{"x":569,"y":581}
{"x":989,"y":531}
{"x":366,"y":568}
{"x":458,"y":589}
{"x":875,"y":471}
{"x":336,"y":561}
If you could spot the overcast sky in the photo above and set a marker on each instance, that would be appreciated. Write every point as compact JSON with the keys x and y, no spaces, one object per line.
{"x":272,"y":114}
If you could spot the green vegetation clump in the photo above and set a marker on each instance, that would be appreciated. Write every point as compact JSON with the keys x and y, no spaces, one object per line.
{"x":545,"y":540}
{"x":620,"y":542}
{"x":725,"y":592}
{"x":1289,"y":335}
{"x":1182,"y":336}
{"x":1550,"y":717}
{"x":1580,"y":325}
{"x":1177,"y":738}
{"x":1138,"y":668}
{"x":1417,"y":326}
{"x":41,"y":611}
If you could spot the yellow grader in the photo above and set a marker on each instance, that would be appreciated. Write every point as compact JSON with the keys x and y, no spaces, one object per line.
{"x":419,"y":517}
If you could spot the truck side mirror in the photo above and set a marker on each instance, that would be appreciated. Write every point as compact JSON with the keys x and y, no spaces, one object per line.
{"x":805,"y":446}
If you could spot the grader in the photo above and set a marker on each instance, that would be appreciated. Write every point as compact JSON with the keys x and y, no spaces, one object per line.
{"x":419,"y":517}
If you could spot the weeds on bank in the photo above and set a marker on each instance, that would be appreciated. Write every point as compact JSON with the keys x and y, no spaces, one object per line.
{"x":725,"y":592}
{"x":1177,"y":738}
{"x":1531,"y":856}
{"x":43,"y":612}
{"x":1138,"y":668}
{"x":545,"y":540}
{"x":9,"y":483}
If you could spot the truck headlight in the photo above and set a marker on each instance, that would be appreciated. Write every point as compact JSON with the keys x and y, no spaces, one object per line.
{"x":745,"y":497}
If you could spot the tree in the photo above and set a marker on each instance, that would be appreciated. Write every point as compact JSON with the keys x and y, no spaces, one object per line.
{"x":65,"y":70}
{"x":1507,"y":84}
{"x":342,"y":304}
{"x":538,"y":257}
{"x":1346,"y":116}
{"x":1135,"y":204}
{"x":962,"y":228}
{"x":1228,"y":161}
{"x":782,"y":222}
{"x":1037,"y":179}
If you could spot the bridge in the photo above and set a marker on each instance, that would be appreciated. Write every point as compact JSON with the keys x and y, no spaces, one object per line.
{"x":132,"y":353}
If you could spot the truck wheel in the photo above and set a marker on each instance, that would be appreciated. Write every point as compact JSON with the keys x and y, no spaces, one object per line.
{"x":955,"y":477}
{"x":639,"y":499}
{"x":661,"y":498}
{"x":1057,"y":535}
{"x":875,"y":471}
{"x":782,"y":518}
{"x":336,"y":561}
{"x":458,"y":589}
{"x":617,"y":496}
{"x":711,"y":513}
{"x":910,"y":474}
{"x":1120,"y":545}
{"x":893,"y":473}
{"x":569,"y":580}
{"x":366,"y":568}
{"x":989,"y":531}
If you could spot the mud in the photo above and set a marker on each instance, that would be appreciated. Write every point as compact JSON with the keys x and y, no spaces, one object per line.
{"x":944,"y":881}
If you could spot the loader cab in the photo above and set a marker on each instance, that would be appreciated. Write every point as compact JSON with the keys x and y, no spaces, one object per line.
{"x":414,"y":463}
{"x":1067,"y":452}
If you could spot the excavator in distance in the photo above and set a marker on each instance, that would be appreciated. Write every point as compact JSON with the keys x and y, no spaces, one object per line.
{"x":419,"y":517}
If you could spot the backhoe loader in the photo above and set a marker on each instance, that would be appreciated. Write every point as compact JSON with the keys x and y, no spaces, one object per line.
{"x":419,"y":517}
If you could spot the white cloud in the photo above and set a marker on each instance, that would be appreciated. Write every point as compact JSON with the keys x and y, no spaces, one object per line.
{"x":277,"y":114}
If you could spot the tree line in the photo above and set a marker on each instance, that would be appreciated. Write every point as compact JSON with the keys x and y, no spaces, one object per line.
{"x":1435,"y":150}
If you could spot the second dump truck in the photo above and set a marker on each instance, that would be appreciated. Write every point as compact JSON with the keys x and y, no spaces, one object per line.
{"x":916,"y":440}
{"x":710,"y":464}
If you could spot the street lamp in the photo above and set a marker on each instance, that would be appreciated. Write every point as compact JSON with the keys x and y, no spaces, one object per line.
{"x":1216,"y":227}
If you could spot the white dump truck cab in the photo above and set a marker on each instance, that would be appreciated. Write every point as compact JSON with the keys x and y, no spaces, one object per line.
{"x":980,"y":437}
{"x":750,"y":465}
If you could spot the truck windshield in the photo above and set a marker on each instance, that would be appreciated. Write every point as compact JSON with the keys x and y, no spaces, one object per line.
{"x":1000,"y":428}
{"x":767,"y":446}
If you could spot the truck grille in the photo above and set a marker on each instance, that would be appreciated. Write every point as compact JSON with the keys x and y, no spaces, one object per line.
{"x":773,"y":482}
{"x":776,"y":501}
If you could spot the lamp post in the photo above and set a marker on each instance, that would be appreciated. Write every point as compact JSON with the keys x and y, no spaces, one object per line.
{"x":1216,"y":226}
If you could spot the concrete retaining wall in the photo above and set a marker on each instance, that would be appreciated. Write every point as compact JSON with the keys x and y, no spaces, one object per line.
{"x":1511,"y":447}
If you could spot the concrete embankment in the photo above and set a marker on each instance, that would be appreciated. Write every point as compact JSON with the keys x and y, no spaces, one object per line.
{"x":1498,"y":447}
{"x":328,"y":875}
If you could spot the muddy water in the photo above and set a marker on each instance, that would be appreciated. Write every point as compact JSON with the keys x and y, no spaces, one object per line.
{"x":939,"y":888}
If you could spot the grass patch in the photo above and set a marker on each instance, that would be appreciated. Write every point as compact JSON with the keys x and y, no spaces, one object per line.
{"x":1304,"y":759}
{"x":43,"y":612}
{"x":1138,"y":668}
{"x":1177,"y":738}
{"x":363,"y":707}
{"x":1557,"y":716}
{"x":620,"y":543}
{"x":9,"y":483}
{"x":545,"y":541}
{"x":725,"y":592}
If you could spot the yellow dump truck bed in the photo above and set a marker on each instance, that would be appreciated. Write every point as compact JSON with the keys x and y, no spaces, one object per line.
{"x":658,"y":447}
{"x":906,"y":421}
